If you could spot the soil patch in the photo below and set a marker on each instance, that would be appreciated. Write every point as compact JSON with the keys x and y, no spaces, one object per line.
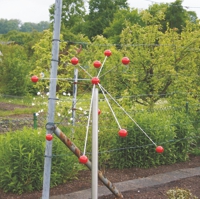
{"x":117,"y":175}
{"x":9,"y":106}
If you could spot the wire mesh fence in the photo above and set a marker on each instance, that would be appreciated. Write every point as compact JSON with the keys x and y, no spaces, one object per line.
{"x":8,"y":124}
{"x":125,"y":147}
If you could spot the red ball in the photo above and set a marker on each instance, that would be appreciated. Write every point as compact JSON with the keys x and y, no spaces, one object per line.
{"x":74,"y":60}
{"x":125,"y":60}
{"x":83,"y":159}
{"x":49,"y":137}
{"x":34,"y":78}
{"x":99,"y":112}
{"x":97,"y":64}
{"x":159,"y":149}
{"x":95,"y":80}
{"x":123,"y":133}
{"x":107,"y":53}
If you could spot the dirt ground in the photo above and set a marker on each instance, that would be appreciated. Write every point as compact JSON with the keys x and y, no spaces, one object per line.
{"x":115,"y":175}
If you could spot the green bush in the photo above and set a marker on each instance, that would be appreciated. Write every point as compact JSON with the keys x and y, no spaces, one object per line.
{"x":171,"y":128}
{"x":14,"y":69}
{"x":22,"y":161}
{"x":170,"y":131}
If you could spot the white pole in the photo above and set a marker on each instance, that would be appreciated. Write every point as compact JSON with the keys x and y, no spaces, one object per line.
{"x":52,"y":98}
{"x":95,"y":145}
{"x":74,"y":98}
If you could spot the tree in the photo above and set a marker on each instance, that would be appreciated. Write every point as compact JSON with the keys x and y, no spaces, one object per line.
{"x":160,"y":62}
{"x":8,"y":25}
{"x":101,"y":14}
{"x":121,"y":18}
{"x":16,"y":25}
{"x":73,"y":12}
{"x":175,"y":15}
{"x":29,"y":27}
{"x":25,"y":39}
{"x":43,"y":55}
{"x":192,"y":16}
{"x":110,"y":77}
{"x":14,"y":70}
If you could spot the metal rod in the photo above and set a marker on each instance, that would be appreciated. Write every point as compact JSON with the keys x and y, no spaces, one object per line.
{"x":95,"y":145}
{"x":74,"y":99}
{"x":52,"y":97}
{"x":78,"y":153}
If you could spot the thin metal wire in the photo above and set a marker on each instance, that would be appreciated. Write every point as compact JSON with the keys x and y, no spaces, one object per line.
{"x":123,"y":72}
{"x":88,"y":124}
{"x":108,"y":71}
{"x":102,"y":66}
{"x":110,"y":106}
{"x":133,"y":45}
{"x":133,"y":147}
{"x":130,"y":117}
{"x":67,"y":79}
{"x":141,"y":95}
{"x":85,"y":71}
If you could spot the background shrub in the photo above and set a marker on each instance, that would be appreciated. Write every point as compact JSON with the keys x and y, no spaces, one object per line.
{"x":22,"y":161}
{"x":170,"y":131}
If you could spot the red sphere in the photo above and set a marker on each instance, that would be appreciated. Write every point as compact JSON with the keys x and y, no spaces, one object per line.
{"x":34,"y":78}
{"x":123,"y":133}
{"x":74,"y":60}
{"x":49,"y":137}
{"x":159,"y":149}
{"x":97,"y":64}
{"x":83,"y":159}
{"x":107,"y":53}
{"x":125,"y":60}
{"x":99,"y":112}
{"x":95,"y":80}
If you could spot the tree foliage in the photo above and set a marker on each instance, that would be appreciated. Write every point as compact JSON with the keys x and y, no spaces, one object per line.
{"x":175,"y":15}
{"x":25,"y":39}
{"x":101,"y":14}
{"x":16,"y":25}
{"x":73,"y":12}
{"x":162,"y":43}
{"x":121,"y":18}
{"x":29,"y":27}
{"x":8,"y":25}
{"x":160,"y":62}
{"x":43,"y":55}
{"x":14,"y":70}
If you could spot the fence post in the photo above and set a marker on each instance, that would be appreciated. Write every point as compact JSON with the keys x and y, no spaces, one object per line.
{"x":35,"y":121}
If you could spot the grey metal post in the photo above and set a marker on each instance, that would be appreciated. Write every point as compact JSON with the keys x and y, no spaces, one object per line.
{"x":74,"y":98}
{"x":95,"y":145}
{"x":52,"y":97}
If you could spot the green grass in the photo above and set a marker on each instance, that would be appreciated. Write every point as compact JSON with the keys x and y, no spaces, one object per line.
{"x":21,"y":100}
{"x":17,"y":111}
{"x":14,"y":100}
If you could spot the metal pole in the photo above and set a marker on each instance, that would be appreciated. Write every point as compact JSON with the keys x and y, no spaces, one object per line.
{"x":74,"y":98}
{"x":78,"y":153}
{"x":95,"y":145}
{"x":52,"y":97}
